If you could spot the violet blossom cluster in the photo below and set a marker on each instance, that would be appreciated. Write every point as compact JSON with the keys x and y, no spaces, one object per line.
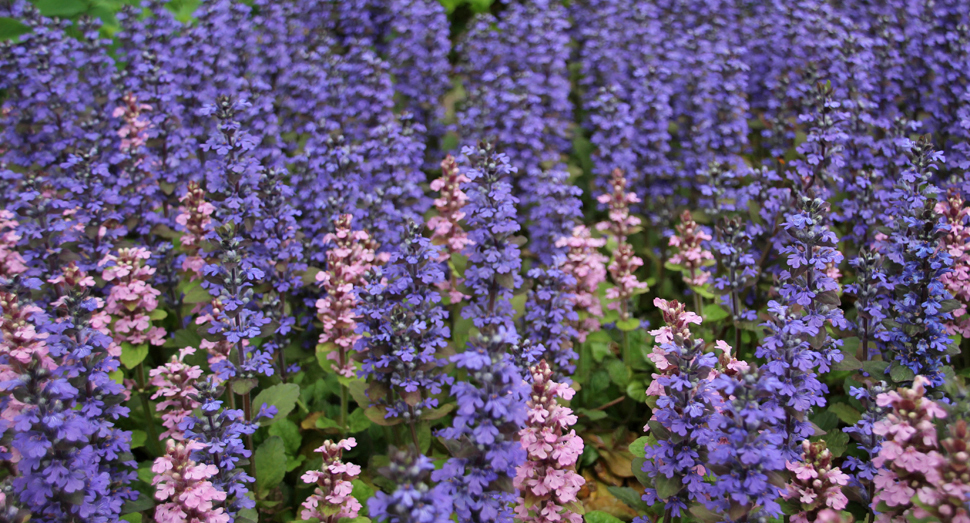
{"x":918,"y":334}
{"x":403,"y":323}
{"x":549,"y":319}
{"x":75,"y":463}
{"x":686,"y":399}
{"x":491,"y":402}
{"x":797,"y":345}
{"x":218,"y":432}
{"x":415,"y":499}
{"x":523,"y":108}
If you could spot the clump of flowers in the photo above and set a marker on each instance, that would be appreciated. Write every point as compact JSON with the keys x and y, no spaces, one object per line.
{"x":624,"y":264}
{"x":446,"y":226}
{"x":176,"y":384}
{"x":587,"y":266}
{"x":332,"y":498}
{"x":920,"y":477}
{"x":918,"y":336}
{"x":132,"y":299}
{"x":547,"y":481}
{"x":220,"y":432}
{"x":134,"y":132}
{"x":816,"y":483}
{"x":350,"y":256}
{"x":957,"y":244}
{"x":416,"y":499}
{"x":685,"y":403}
{"x":401,"y":314}
{"x":745,"y":446}
{"x":549,"y":319}
{"x":11,"y":262}
{"x":491,"y":400}
{"x":690,"y":253}
{"x":184,"y":487}
{"x":196,"y":218}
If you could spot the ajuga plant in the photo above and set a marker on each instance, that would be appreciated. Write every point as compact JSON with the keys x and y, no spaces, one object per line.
{"x":492,"y":399}
{"x":921,"y":303}
{"x":685,"y":401}
{"x":414,"y":499}
{"x":405,"y":333}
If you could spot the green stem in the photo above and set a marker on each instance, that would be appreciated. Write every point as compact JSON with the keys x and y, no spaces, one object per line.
{"x":343,"y":408}
{"x":625,"y":346}
{"x":248,"y":413}
{"x":149,"y":412}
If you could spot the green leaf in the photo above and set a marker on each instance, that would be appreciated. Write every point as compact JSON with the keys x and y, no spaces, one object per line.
{"x":270,"y":461}
{"x":638,"y":472}
{"x":361,"y":492}
{"x":139,"y":504}
{"x":875,"y":368}
{"x":599,"y":350}
{"x":138,"y":438}
{"x":132,"y":355}
{"x":61,"y":8}
{"x":639,"y":446}
{"x":714,"y":312}
{"x":668,"y":487}
{"x":247,"y":515}
{"x":134,"y":517}
{"x":243,"y":386}
{"x":10,"y":28}
{"x":197,"y":295}
{"x":327,"y":423}
{"x":358,"y":421}
{"x":899,"y":374}
{"x":630,"y":497}
{"x":619,"y":373}
{"x":598,"y":516}
{"x":289,"y":432}
{"x":836,"y":442}
{"x":628,"y":325}
{"x":158,"y":314}
{"x":282,"y":396}
{"x":826,"y":420}
{"x":592,"y":415}
{"x":187,"y":338}
{"x":845,"y":412}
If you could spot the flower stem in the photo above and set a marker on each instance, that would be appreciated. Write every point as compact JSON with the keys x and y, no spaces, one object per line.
{"x":149,"y":412}
{"x":343,"y":407}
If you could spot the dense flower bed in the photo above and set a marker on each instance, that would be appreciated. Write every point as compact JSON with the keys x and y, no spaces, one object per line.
{"x":356,"y":260}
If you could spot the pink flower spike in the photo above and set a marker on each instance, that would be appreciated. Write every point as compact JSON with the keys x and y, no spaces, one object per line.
{"x":549,"y":474}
